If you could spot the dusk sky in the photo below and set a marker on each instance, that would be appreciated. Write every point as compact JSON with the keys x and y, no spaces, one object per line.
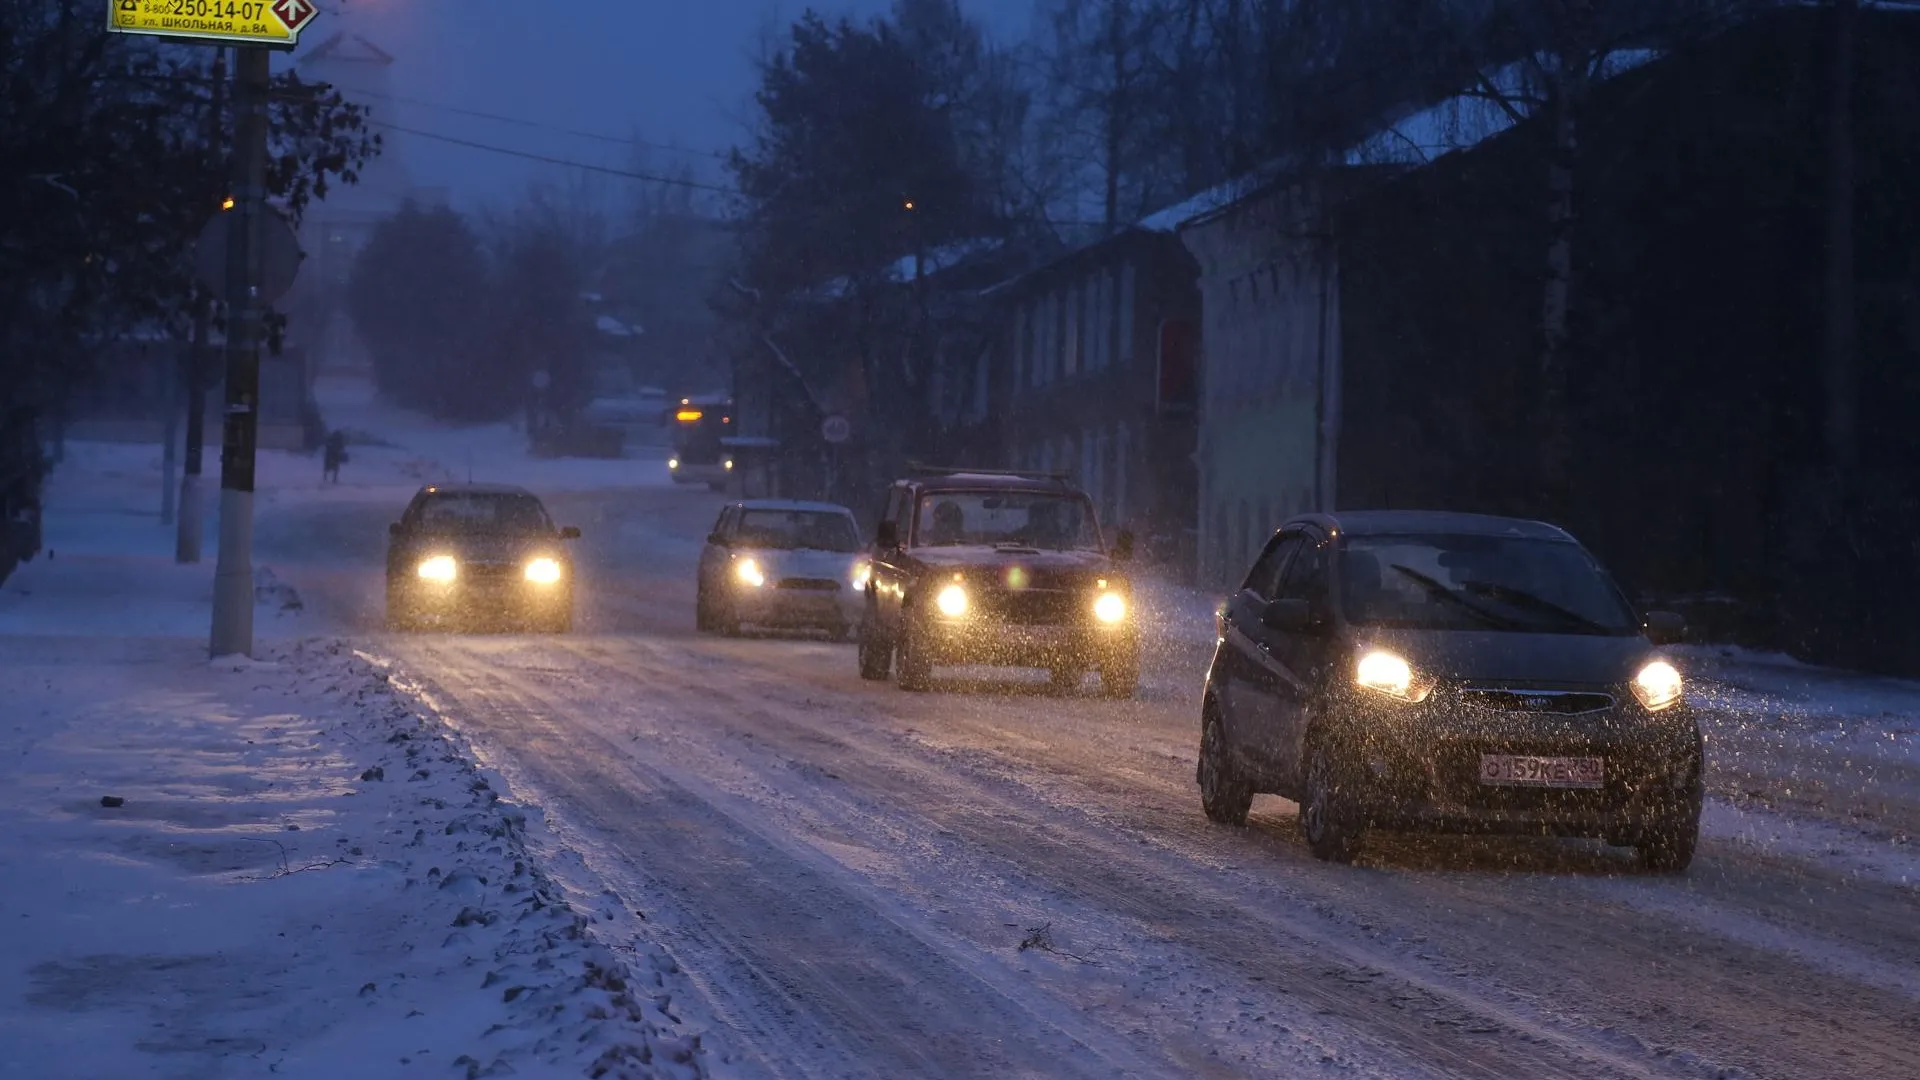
{"x":679,"y":74}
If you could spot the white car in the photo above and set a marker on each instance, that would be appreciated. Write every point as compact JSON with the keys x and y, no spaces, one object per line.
{"x":783,"y":564}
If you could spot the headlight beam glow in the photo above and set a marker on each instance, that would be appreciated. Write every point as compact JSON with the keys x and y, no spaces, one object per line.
{"x":439,"y":568}
{"x":543,"y":570}
{"x":1384,"y":673}
{"x":1110,"y":608}
{"x":749,"y":573}
{"x":951,"y":602}
{"x":1658,"y":686}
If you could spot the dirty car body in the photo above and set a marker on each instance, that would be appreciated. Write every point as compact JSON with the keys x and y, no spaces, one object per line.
{"x":1448,"y":672}
{"x":974,"y":567}
{"x":479,"y":554}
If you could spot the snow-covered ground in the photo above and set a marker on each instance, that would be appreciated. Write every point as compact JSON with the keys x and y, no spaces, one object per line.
{"x":280,"y":865}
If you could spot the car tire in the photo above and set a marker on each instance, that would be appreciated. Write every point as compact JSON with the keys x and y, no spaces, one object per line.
{"x":910,"y":663}
{"x":1666,"y":845}
{"x":876,"y":657}
{"x":1224,"y":796}
{"x":1329,"y":818}
{"x":397,"y":619}
{"x":1120,"y":679}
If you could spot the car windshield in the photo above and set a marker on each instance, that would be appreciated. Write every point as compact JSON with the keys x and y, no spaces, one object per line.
{"x":813,"y":530}
{"x":1008,"y":518}
{"x":1446,"y":582}
{"x":466,"y":512}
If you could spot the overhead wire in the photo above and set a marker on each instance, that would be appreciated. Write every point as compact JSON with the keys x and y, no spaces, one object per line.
{"x":597,"y":136}
{"x":631,"y":174}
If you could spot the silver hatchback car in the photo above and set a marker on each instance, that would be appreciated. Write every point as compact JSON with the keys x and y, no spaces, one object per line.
{"x":785,"y":565}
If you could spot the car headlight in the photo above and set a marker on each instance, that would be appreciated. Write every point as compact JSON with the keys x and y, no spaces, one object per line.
{"x":952,"y":601}
{"x":1110,"y":608}
{"x":439,"y":568}
{"x":543,"y":571}
{"x":673,"y":463}
{"x":728,"y":464}
{"x":749,"y":573}
{"x":1384,"y":673}
{"x":862,"y":573}
{"x":1658,"y":686}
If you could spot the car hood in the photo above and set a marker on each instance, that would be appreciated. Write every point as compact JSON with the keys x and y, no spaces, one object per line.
{"x":488,"y":548}
{"x":1515,"y":659}
{"x":787,"y":563}
{"x":1042,"y":564}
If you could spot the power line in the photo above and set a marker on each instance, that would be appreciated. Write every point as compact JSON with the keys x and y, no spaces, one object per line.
{"x":588,"y":167}
{"x":597,"y":136}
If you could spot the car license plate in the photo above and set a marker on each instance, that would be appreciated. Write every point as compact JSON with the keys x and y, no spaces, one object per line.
{"x":1522,"y":770}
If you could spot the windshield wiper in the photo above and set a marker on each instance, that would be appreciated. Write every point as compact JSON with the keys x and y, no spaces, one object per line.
{"x":1441,"y":592}
{"x":1524,"y":599}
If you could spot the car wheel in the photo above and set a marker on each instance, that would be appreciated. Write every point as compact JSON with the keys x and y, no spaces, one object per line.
{"x":1224,"y":796}
{"x":1328,"y":815}
{"x":876,"y":658}
{"x":1067,"y":679}
{"x":1120,"y":678}
{"x":910,"y":662}
{"x":1666,"y":845}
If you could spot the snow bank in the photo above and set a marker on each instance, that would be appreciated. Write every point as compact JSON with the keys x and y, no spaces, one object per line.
{"x":281,"y":866}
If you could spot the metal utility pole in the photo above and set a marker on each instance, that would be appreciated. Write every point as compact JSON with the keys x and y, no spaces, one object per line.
{"x":187,"y":544}
{"x":233,"y":574}
{"x":1841,"y":393}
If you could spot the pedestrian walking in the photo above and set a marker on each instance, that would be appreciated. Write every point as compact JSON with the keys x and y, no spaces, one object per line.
{"x":336,"y":455}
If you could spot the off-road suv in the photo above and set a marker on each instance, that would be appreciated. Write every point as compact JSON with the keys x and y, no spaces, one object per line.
{"x":994,"y":568}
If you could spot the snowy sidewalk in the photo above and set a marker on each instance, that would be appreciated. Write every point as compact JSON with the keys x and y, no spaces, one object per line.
{"x":254,"y":867}
{"x":281,"y":866}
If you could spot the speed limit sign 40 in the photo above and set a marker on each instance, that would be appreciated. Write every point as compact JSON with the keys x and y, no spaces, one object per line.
{"x":836,"y":429}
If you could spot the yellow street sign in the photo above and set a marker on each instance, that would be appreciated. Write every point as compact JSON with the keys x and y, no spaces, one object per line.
{"x":273,"y":23}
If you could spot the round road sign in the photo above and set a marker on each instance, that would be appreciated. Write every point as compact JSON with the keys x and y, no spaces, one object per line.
{"x":836,"y":429}
{"x":280,"y":255}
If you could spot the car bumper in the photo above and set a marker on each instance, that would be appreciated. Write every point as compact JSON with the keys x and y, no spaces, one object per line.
{"x":1422,"y":770}
{"x":483,"y":600}
{"x":777,"y":607}
{"x":1004,"y":644}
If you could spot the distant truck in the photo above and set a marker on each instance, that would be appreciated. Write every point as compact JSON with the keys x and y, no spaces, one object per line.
{"x":700,"y":428}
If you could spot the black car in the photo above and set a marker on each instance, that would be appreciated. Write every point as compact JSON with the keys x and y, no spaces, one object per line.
{"x":479,"y":553}
{"x":1008,"y":569}
{"x":1448,"y":672}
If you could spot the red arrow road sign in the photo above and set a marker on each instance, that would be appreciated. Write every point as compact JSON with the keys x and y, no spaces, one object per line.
{"x":294,"y":13}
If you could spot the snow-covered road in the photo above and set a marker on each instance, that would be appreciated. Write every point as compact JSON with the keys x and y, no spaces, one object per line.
{"x":850,"y":873}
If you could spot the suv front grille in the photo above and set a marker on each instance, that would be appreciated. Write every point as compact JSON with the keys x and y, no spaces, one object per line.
{"x":1032,"y":607}
{"x":810,"y":584}
{"x":1556,"y":702}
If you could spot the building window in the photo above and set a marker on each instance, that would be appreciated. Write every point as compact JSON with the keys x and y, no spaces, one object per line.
{"x":1022,"y":344}
{"x":1120,"y":452}
{"x":1125,"y":353}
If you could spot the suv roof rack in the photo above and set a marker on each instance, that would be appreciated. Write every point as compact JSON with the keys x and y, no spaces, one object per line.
{"x":915,"y":468}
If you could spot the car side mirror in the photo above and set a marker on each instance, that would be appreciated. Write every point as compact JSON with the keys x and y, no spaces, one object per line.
{"x":394,"y":530}
{"x":1289,"y":616}
{"x":1123,"y":546}
{"x":887,"y":536}
{"x":571,"y":532}
{"x":1665,"y":628}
